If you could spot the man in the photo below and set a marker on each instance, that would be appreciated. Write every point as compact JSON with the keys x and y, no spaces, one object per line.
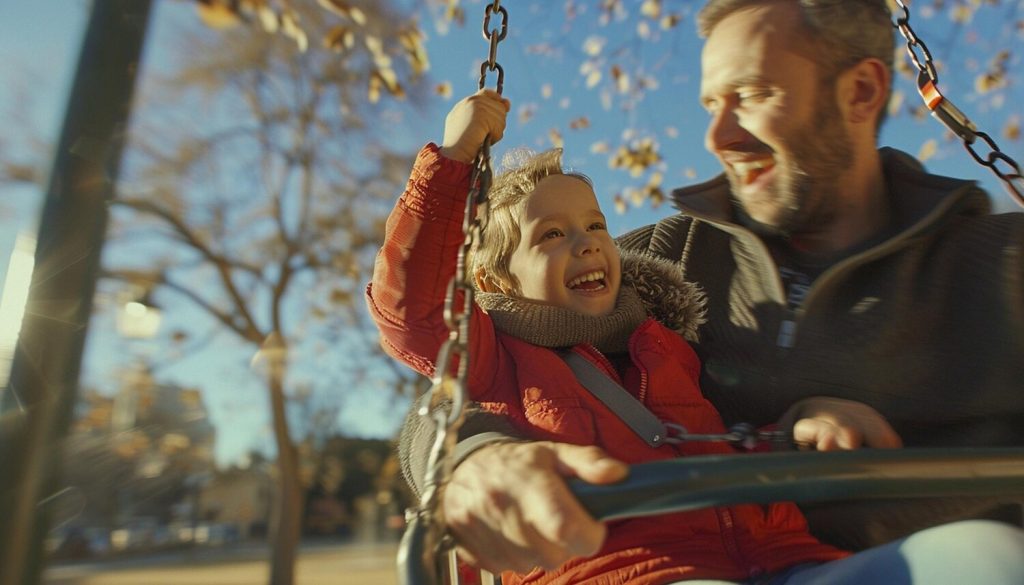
{"x":831,"y":268}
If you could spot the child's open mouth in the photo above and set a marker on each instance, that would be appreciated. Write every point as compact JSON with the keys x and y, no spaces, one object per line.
{"x":589,"y":282}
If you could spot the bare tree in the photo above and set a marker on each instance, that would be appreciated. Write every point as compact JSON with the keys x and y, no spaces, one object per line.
{"x":256,"y":186}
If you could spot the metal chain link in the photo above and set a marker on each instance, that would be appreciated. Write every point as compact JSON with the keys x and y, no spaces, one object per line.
{"x":951,"y":116}
{"x":458,"y":305}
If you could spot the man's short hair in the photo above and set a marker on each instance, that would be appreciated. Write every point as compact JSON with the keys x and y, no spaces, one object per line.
{"x":840,"y":33}
{"x":521,"y":170}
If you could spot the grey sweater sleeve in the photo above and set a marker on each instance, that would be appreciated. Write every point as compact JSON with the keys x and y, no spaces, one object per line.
{"x":417,"y":437}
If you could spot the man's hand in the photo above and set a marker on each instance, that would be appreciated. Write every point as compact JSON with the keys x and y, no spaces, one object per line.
{"x":831,"y":424}
{"x":471,"y":120}
{"x":509,"y":508}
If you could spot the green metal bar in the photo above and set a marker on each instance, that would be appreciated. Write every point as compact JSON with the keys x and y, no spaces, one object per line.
{"x":38,"y":403}
{"x":691,"y":483}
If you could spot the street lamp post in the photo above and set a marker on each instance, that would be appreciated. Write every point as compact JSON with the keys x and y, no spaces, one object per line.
{"x":36,"y":407}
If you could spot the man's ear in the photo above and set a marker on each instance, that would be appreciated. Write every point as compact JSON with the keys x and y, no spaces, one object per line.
{"x":863,"y":91}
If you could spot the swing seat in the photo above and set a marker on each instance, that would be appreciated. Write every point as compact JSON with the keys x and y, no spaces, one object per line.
{"x":693,"y":483}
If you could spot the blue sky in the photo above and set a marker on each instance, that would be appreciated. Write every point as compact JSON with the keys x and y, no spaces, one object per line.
{"x":551,"y":94}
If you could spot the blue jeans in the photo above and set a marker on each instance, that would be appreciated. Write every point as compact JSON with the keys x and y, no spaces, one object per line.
{"x":972,"y":551}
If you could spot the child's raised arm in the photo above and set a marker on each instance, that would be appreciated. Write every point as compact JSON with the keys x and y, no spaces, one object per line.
{"x":470,"y":121}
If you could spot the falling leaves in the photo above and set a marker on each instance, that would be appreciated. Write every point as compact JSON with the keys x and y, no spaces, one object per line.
{"x":454,"y":13}
{"x":555,"y":137}
{"x":995,"y":77}
{"x":339,"y":38}
{"x":411,"y":40}
{"x":384,"y":77}
{"x":354,"y":30}
{"x":593,"y":45}
{"x":961,"y":14}
{"x":635,"y":158}
{"x":670,"y":21}
{"x":444,"y":89}
{"x":580,"y":123}
{"x":621,"y":79}
{"x":651,"y":9}
{"x":1012,"y":129}
{"x":344,"y":9}
{"x":527,"y":112}
{"x":592,"y":72}
{"x":620,"y":203}
{"x":219,"y":14}
{"x":291,"y":29}
{"x":267,"y":17}
{"x":896,"y":102}
{"x":928,"y":150}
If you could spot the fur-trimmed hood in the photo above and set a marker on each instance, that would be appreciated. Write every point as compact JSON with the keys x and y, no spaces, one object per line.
{"x":678,"y":304}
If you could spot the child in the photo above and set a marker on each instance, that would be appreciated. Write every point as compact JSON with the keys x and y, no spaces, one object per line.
{"x":551,"y":278}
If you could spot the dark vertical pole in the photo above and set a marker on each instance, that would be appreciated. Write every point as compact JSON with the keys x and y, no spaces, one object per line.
{"x":38,"y":403}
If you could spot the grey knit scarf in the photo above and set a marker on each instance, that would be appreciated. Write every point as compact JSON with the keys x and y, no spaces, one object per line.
{"x":650,"y":287}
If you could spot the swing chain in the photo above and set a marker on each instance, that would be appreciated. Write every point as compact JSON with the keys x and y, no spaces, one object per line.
{"x":494,"y":36}
{"x":951,"y":116}
{"x":449,"y":391}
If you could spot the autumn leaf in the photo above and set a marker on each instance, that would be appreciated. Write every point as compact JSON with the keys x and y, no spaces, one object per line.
{"x":218,"y":14}
{"x":656,"y":196}
{"x":373,"y":92}
{"x":621,"y":79}
{"x":269,"y":19}
{"x":961,"y":14}
{"x":454,"y":13}
{"x":651,"y":9}
{"x":895,"y":102}
{"x":987,"y":82}
{"x":928,"y":150}
{"x":670,"y":21}
{"x":339,"y":38}
{"x":527,"y":112}
{"x":344,"y":9}
{"x":643,"y":30}
{"x":635,"y":158}
{"x":1012,"y":129}
{"x":592,"y":72}
{"x":556,"y":138}
{"x":593,"y":45}
{"x":291,"y":29}
{"x":636,"y":196}
{"x":580,"y":123}
{"x":416,"y":53}
{"x":444,"y":89}
{"x":620,"y":204}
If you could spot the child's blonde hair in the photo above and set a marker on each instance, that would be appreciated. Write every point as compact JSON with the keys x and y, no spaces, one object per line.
{"x":521,"y":170}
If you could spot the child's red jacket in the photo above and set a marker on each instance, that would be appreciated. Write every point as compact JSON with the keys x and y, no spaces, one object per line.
{"x":541,"y":395}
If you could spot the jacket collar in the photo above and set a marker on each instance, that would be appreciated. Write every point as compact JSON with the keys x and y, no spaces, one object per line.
{"x":918,"y":197}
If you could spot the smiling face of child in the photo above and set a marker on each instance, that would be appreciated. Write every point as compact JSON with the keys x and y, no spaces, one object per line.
{"x":565,"y":256}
